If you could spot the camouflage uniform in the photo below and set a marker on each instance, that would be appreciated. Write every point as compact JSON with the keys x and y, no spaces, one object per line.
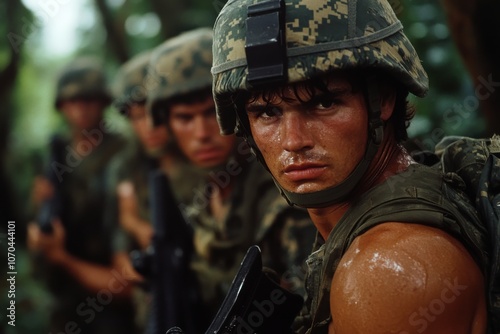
{"x":88,"y":225}
{"x":134,"y":165}
{"x":257,"y":214}
{"x":132,"y":86}
{"x":320,"y":38}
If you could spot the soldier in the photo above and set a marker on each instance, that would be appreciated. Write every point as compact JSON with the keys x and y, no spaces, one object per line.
{"x":238,"y":205}
{"x":88,"y":280}
{"x":152,"y":150}
{"x":319,"y":91}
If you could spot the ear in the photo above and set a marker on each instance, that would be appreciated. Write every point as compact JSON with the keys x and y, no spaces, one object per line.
{"x":387,"y":102}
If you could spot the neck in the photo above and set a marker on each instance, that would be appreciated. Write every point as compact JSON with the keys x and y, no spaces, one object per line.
{"x":166,"y":162}
{"x":84,"y":140}
{"x":390,"y":159}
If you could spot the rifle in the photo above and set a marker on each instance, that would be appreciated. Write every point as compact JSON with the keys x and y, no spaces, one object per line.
{"x":51,"y":207}
{"x":255,"y":303}
{"x":167,"y":265}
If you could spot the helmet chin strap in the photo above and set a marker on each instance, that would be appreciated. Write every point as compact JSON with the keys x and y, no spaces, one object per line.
{"x":340,"y":192}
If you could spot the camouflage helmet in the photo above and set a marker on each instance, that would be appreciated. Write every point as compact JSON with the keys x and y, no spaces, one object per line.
{"x":130,"y":85}
{"x":263,"y":43}
{"x":83,"y":78}
{"x":179,"y":66}
{"x":320,"y":36}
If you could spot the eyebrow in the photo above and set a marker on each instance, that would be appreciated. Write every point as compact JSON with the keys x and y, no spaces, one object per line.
{"x":335,"y":92}
{"x":187,"y":112}
{"x":256,"y":107}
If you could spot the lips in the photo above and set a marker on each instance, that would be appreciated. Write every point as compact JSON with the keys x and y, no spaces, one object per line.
{"x":154,"y":141}
{"x":208,"y":154}
{"x":304,"y":171}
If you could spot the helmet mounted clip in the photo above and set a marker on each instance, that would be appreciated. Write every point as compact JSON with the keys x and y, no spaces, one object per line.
{"x":265,"y":46}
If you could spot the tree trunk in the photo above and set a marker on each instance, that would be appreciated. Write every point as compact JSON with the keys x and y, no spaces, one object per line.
{"x":115,"y":36}
{"x":475,"y":27}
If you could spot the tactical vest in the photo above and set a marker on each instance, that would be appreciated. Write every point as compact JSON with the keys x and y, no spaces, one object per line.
{"x":419,"y":195}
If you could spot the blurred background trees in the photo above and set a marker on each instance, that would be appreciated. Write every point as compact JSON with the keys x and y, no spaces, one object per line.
{"x":41,"y":35}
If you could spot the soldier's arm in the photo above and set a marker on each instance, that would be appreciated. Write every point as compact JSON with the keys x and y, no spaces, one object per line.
{"x":404,"y":278}
{"x":128,"y":213}
{"x":118,"y":278}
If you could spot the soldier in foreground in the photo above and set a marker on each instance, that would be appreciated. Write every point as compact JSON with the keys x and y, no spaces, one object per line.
{"x":319,"y":91}
{"x":87,"y":279}
{"x":238,"y":204}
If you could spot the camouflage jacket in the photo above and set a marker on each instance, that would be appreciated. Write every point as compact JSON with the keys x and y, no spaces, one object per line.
{"x":257,"y":215}
{"x":411,"y":196}
{"x":134,"y":165}
{"x":84,"y":189}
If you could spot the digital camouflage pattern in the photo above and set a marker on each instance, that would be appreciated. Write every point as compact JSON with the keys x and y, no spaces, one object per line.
{"x":466,"y":156}
{"x":181,"y":65}
{"x":321,"y":36}
{"x":130,"y":85}
{"x":83,"y":78}
{"x":476,"y":162}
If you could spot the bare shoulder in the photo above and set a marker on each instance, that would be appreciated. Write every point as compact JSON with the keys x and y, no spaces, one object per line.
{"x":407,"y":278}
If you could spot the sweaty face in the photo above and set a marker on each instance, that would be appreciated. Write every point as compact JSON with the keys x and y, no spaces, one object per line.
{"x":310,"y":142}
{"x":82,"y":114}
{"x":195,"y":129}
{"x":153,"y":139}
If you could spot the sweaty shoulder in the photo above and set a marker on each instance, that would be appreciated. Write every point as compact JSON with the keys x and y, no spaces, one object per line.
{"x":407,"y":278}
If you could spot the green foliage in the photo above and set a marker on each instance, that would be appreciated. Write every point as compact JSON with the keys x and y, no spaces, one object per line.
{"x":450,"y":107}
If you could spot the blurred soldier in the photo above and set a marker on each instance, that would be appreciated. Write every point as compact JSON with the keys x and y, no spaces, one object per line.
{"x":88,"y":280}
{"x":152,"y":150}
{"x":238,"y":206}
{"x":319,"y":90}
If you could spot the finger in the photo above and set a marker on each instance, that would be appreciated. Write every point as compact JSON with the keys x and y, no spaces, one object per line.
{"x":125,"y":189}
{"x":33,"y":234}
{"x":58,"y":228}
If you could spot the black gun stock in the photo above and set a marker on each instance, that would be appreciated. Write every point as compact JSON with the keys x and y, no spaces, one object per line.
{"x":50,"y":208}
{"x":172,"y":283}
{"x":255,"y":303}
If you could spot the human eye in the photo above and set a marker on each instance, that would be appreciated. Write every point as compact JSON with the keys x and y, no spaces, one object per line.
{"x":184,"y":118}
{"x":265,"y":112}
{"x":324,"y":102}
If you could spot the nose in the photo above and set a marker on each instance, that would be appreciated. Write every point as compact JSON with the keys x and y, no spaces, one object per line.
{"x":201,"y":129}
{"x":294,"y":132}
